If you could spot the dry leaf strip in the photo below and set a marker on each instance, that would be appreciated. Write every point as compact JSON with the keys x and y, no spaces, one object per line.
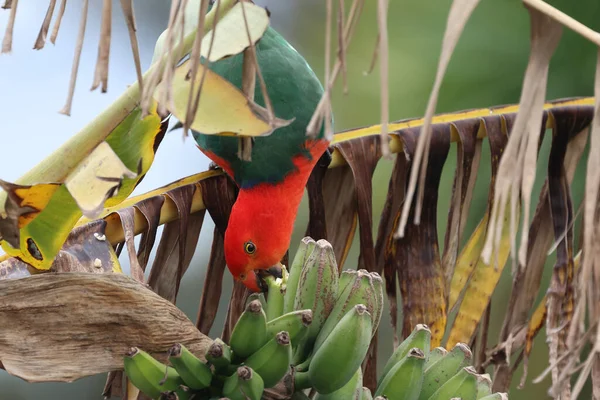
{"x":219,"y":194}
{"x":385,"y":239}
{"x":560,"y":293}
{"x":362,"y":157}
{"x":468,"y":152}
{"x":177,"y":245}
{"x":150,"y":209}
{"x":416,"y":255}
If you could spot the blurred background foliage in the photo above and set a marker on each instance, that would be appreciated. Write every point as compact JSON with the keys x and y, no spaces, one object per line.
{"x":486,"y":70}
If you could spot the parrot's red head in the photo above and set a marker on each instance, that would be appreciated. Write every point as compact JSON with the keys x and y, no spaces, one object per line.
{"x":262,"y":219}
{"x":257,"y":236}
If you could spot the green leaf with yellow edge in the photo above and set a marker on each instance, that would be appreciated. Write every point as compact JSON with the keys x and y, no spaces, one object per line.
{"x":130,"y":146}
{"x":482,"y":281}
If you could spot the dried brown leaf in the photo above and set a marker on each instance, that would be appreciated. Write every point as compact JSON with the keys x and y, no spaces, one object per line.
{"x":150,"y":209}
{"x":10,"y":26}
{"x":101,"y":72}
{"x":219,"y":194}
{"x":322,"y":108}
{"x":362,"y":157}
{"x":336,"y":196}
{"x":55,"y":29}
{"x":114,"y":385}
{"x":177,"y":245}
{"x":213,"y":285}
{"x":460,"y":11}
{"x":85,"y":331}
{"x":41,"y":39}
{"x":382,"y":9}
{"x":416,"y":255}
{"x":391,"y":208}
{"x":78,"y":47}
{"x":516,"y":172}
{"x":195,"y":57}
{"x":129,"y":14}
{"x":527,"y":280}
{"x":468,"y":154}
{"x":127,"y":220}
{"x":589,"y":279}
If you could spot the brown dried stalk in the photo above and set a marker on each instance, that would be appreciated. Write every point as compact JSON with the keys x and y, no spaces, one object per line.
{"x":78,"y":47}
{"x":101,"y":72}
{"x":460,"y":11}
{"x":129,"y":14}
{"x":8,"y":35}
{"x":41,"y":39}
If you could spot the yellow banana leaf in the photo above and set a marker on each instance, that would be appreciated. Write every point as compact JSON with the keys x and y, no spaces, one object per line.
{"x":480,"y":278}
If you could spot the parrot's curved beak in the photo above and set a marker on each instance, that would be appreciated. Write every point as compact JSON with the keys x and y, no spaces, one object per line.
{"x":276,"y":270}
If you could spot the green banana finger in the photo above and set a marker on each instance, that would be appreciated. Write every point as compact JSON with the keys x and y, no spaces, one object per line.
{"x":256,"y":296}
{"x":496,"y":396}
{"x":378,"y":285}
{"x":317,"y":287}
{"x":350,"y":391}
{"x":405,"y":379}
{"x":360,"y":291}
{"x":306,"y":247}
{"x":275,"y":296}
{"x":346,"y":277}
{"x":295,"y":323}
{"x":251,"y":383}
{"x":420,"y":337}
{"x":463,"y":385}
{"x":444,"y":369}
{"x":273,"y":360}
{"x":195,"y":373}
{"x":484,"y":385}
{"x":219,"y":355}
{"x":434,"y":356}
{"x":149,"y":375}
{"x":366,"y":394}
{"x":243,"y":384}
{"x":342,"y":353}
{"x":250,"y":332}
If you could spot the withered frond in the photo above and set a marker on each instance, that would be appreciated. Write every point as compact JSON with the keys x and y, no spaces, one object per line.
{"x":423,"y":279}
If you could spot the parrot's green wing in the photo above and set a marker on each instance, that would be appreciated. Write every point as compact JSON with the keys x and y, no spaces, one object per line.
{"x":294,"y":91}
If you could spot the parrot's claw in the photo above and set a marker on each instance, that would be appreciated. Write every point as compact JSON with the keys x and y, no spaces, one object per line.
{"x":213,"y":166}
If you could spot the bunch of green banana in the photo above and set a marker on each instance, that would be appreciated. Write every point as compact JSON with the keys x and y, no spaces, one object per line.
{"x":312,"y":330}
{"x":414,"y":372}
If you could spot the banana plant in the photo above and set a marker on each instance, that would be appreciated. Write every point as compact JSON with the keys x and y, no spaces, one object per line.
{"x":430,"y":284}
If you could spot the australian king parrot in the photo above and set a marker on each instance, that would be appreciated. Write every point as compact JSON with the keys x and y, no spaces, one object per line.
{"x":271,"y":185}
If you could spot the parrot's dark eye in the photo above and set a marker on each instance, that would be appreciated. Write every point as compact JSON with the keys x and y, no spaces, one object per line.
{"x":249,"y":248}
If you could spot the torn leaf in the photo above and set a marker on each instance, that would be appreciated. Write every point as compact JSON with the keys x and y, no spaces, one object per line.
{"x":230,"y":35}
{"x":97,"y":179}
{"x":222,"y":109}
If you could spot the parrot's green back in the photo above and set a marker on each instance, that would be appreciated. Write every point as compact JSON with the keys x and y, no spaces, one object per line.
{"x":294,"y":91}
